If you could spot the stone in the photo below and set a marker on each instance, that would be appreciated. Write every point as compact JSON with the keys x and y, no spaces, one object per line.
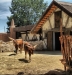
{"x":6,"y":46}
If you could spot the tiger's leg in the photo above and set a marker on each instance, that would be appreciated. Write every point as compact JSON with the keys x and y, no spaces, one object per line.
{"x":16,"y":47}
{"x":29,"y":56}
{"x":21,"y":47}
{"x":25,"y":54}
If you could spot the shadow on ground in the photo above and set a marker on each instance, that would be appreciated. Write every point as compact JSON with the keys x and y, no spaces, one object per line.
{"x":51,"y":72}
{"x":56,"y":72}
{"x":20,"y":73}
{"x":12,"y":54}
{"x":23,"y":60}
{"x":48,"y":52}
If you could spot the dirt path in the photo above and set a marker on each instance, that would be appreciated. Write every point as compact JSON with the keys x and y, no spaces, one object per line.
{"x":41,"y":63}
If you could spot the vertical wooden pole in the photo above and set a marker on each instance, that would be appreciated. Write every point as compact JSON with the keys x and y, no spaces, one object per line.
{"x":61,"y":27}
{"x":61,"y":38}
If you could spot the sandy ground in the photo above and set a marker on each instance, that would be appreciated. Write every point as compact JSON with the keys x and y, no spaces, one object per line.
{"x":41,"y":63}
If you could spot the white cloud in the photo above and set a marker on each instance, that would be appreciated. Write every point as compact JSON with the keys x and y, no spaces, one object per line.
{"x":2,"y":1}
{"x":4,"y":15}
{"x":4,"y":9}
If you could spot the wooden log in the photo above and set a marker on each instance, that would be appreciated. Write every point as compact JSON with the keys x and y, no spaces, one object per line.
{"x":62,"y":48}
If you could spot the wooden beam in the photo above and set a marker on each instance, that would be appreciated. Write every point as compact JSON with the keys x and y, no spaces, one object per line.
{"x":53,"y":6}
{"x":47,"y":16}
{"x":39,"y":25}
{"x":49,"y":13}
{"x":52,"y":9}
{"x":41,"y":22}
{"x":50,"y":24}
{"x":67,"y":21}
{"x":44,"y":18}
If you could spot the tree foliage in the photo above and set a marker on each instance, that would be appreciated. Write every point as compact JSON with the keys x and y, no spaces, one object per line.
{"x":26,"y":12}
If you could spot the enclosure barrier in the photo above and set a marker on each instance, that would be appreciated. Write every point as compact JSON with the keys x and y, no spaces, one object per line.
{"x":66,"y":49}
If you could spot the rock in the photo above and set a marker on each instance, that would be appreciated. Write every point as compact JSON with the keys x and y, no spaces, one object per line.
{"x":6,"y":46}
{"x":40,"y":44}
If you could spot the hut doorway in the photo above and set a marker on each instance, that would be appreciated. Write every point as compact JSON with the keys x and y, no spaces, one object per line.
{"x":71,"y":33}
{"x":18,"y":35}
{"x":57,"y":42}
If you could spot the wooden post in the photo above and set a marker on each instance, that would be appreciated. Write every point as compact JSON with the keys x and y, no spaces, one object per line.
{"x":61,"y":34}
{"x":61,"y":38}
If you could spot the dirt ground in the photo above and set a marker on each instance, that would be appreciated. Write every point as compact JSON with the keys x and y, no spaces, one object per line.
{"x":41,"y":63}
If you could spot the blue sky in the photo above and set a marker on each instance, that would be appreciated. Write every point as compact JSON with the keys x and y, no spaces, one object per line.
{"x":4,"y":12}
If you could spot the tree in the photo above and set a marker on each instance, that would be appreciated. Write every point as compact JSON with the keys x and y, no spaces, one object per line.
{"x":26,"y":12}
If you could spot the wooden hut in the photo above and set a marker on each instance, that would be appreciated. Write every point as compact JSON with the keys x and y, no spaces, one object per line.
{"x":49,"y":23}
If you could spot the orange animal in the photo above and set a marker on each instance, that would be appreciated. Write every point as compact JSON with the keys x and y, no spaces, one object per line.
{"x":18,"y":43}
{"x":28,"y":48}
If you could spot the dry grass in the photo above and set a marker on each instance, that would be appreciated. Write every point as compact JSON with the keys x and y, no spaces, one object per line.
{"x":41,"y":63}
